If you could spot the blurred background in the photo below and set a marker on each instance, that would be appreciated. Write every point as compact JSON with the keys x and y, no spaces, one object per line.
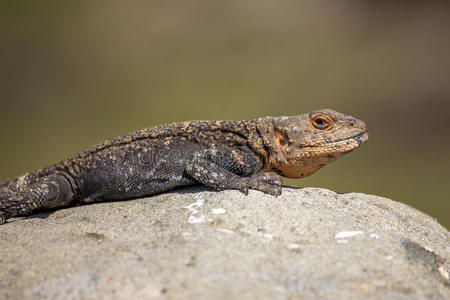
{"x":75,"y":73}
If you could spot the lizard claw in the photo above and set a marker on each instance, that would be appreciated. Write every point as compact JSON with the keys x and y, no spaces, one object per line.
{"x":245,"y":190}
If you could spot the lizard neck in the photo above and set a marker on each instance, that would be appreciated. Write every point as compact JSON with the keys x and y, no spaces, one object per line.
{"x":262,"y":143}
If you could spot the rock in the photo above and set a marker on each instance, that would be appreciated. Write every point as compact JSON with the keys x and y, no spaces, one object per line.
{"x":195,"y":243}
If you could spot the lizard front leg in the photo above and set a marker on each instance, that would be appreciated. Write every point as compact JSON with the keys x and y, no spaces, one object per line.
{"x":223,"y":169}
{"x":20,"y":199}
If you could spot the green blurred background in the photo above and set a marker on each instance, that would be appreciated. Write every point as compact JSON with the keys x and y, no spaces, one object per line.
{"x":73,"y":73}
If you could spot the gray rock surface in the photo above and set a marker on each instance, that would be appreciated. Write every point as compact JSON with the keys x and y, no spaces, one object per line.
{"x":195,"y":243}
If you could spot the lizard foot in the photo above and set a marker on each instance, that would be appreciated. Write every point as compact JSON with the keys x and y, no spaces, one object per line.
{"x":271,"y":189}
{"x":268,"y":178}
{"x":264,"y":182}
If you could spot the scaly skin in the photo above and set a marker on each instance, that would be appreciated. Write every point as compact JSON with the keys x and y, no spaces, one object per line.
{"x":219,"y":154}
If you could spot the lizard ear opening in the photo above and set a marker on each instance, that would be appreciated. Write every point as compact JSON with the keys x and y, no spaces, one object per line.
{"x":281,"y":140}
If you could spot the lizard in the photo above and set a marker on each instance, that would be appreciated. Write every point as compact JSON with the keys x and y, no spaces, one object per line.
{"x":223,"y":155}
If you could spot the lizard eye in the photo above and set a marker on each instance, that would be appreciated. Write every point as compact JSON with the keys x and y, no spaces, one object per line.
{"x":321,"y":122}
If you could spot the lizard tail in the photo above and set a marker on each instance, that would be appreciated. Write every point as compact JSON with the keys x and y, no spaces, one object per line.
{"x":2,"y":217}
{"x":9,"y":197}
{"x":10,"y":190}
{"x":7,"y":204}
{"x":21,"y":196}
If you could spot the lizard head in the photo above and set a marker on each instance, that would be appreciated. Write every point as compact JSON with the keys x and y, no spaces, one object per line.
{"x":305,"y":143}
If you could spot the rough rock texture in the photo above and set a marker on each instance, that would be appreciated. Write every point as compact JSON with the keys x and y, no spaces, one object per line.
{"x":200,"y":244}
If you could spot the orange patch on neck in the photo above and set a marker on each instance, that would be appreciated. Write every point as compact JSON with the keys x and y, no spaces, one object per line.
{"x":296,"y":171}
{"x":304,"y":168}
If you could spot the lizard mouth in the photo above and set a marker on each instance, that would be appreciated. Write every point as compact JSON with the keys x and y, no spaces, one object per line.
{"x":341,"y":146}
{"x":362,"y":137}
{"x":351,"y":143}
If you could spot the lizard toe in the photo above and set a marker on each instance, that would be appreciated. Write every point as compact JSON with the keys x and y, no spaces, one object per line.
{"x":277,"y":190}
{"x":265,"y":187}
